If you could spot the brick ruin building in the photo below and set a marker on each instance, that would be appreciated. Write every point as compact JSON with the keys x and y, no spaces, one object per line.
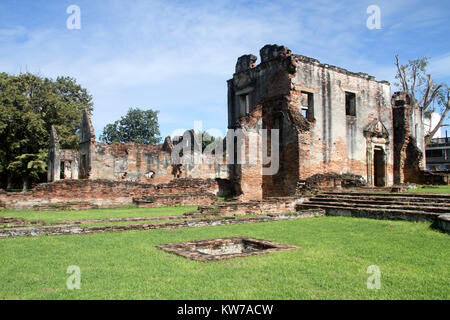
{"x":128,"y":161}
{"x":330,"y":121}
{"x":332,"y":124}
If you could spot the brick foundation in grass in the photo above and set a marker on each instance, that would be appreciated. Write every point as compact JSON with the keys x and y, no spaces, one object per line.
{"x":226,"y":248}
{"x":17,"y":222}
{"x":259,"y":207}
{"x":76,"y":229}
{"x":182,"y":199}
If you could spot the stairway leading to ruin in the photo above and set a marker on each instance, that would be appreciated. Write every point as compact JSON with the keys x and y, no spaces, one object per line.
{"x":396,"y":206}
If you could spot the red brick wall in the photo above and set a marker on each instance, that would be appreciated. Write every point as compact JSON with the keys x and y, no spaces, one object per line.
{"x":99,"y":192}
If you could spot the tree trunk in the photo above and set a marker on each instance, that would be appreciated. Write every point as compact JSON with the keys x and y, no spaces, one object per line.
{"x":9,"y":182}
{"x":26,"y":184}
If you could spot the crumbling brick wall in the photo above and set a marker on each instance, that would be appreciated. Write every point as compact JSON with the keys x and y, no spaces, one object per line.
{"x":132,"y":161}
{"x":181,"y":199}
{"x":408,"y":141}
{"x":339,"y":142}
{"x":306,"y":101}
{"x":262,"y":207}
{"x":100,"y":193}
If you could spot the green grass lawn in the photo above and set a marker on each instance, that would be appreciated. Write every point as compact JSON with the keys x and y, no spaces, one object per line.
{"x":331,"y":264}
{"x":125,"y":212}
{"x":432,"y":189}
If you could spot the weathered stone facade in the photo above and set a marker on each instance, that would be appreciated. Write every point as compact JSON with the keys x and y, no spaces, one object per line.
{"x":130,"y":161}
{"x":330,"y":123}
{"x":62,"y":163}
{"x":85,"y":194}
{"x":330,"y":120}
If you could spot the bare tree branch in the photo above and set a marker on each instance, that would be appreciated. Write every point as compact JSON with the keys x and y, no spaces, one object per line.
{"x":427,"y":103}
{"x":431,"y":134}
{"x":401,"y":74}
{"x":415,"y":72}
{"x":414,"y":78}
{"x":427,"y":93}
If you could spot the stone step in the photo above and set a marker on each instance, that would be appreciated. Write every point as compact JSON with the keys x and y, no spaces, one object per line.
{"x":406,"y":202}
{"x":403,"y":207}
{"x":367,"y":212}
{"x":391,"y":206}
{"x":383,"y":198}
{"x":393,"y":195}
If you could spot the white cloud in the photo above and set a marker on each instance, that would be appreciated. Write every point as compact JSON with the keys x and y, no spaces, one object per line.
{"x":439,"y":67}
{"x":176,"y":56}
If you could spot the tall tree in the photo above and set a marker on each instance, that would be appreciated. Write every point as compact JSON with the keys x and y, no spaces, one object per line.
{"x":29,"y":106}
{"x":139,"y":126}
{"x":425,"y":94}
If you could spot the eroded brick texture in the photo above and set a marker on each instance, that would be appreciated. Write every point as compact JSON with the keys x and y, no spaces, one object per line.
{"x":180,"y":199}
{"x":409,"y":159}
{"x":84,"y":194}
{"x":131,"y":161}
{"x":242,"y":208}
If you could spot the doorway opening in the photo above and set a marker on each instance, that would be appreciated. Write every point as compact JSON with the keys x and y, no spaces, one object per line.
{"x":379,"y":164}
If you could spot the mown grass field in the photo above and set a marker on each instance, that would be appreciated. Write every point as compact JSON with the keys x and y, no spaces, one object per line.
{"x":125,"y":212}
{"x":431,"y":189}
{"x":332,"y":263}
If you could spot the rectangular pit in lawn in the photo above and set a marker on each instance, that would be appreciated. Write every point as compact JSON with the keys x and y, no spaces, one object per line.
{"x":226,"y":248}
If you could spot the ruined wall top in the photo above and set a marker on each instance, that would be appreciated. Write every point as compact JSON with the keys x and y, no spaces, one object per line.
{"x":168,"y":144}
{"x":124,"y":148}
{"x":246,"y":62}
{"x":68,"y":154}
{"x":190,"y":139}
{"x":270,"y":52}
{"x":54,"y":141}
{"x":87,"y":133}
{"x":400,"y":99}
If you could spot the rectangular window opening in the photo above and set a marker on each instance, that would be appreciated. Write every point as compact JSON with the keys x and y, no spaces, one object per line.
{"x":307,"y":105}
{"x":439,"y":153}
{"x":350,"y":104}
{"x":61,"y":171}
{"x":244,"y":102}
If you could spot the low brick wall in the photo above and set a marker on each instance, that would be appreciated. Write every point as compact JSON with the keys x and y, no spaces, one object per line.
{"x":158,"y":200}
{"x":261,"y":207}
{"x":84,"y":194}
{"x":380,"y":214}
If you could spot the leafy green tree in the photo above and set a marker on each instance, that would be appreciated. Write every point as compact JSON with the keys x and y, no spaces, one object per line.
{"x":29,"y":166}
{"x":29,"y":106}
{"x":205,"y":138}
{"x":425,"y":94}
{"x":139,"y":126}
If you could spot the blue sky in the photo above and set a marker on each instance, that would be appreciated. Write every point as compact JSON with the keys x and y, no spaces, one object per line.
{"x":175,"y":56}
